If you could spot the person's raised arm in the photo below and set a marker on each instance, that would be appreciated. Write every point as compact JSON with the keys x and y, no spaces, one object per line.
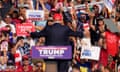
{"x":75,"y":33}
{"x":43,"y":5}
{"x":16,"y":47}
{"x":91,"y":21}
{"x":37,"y":5}
{"x":55,"y":2}
{"x":30,"y":4}
{"x":74,"y":17}
{"x":87,"y":7}
{"x":65,"y":2}
{"x":38,"y":34}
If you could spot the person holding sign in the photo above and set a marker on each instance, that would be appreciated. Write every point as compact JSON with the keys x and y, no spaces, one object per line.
{"x":57,"y":35}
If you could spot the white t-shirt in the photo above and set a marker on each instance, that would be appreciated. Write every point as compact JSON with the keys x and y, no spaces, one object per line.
{"x":2,"y":24}
{"x":13,"y":30}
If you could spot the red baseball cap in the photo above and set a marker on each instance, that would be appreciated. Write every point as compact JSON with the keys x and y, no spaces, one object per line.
{"x":57,"y":16}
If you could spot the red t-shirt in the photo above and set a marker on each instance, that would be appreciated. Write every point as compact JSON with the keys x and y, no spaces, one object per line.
{"x":21,"y":69}
{"x":16,"y":21}
{"x":119,"y":41}
{"x":103,"y":57}
{"x":29,"y":69}
{"x":111,"y":43}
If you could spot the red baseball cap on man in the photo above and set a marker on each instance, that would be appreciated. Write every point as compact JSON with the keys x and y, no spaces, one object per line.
{"x":57,"y":16}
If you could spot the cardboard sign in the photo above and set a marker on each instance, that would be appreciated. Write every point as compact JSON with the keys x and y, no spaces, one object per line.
{"x":52,"y":52}
{"x":92,"y":53}
{"x":21,"y":29}
{"x":35,"y":15}
{"x":4,"y":45}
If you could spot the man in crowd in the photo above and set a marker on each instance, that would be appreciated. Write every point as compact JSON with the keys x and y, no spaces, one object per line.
{"x":57,"y":35}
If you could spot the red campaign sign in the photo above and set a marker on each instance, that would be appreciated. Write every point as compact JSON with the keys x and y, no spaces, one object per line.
{"x":21,"y":29}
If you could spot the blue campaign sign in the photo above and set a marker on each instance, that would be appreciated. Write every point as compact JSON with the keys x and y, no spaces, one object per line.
{"x":86,"y":53}
{"x":52,"y":52}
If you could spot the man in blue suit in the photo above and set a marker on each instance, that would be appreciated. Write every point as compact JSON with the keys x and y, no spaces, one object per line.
{"x":57,"y":35}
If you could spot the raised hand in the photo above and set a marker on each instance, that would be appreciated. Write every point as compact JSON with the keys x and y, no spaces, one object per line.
{"x":41,"y":1}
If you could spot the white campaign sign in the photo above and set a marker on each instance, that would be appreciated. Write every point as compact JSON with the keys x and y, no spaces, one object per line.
{"x":35,"y":15}
{"x":92,"y":53}
{"x":82,"y":6}
{"x":90,"y":4}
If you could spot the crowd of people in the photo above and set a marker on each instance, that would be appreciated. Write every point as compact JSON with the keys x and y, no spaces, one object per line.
{"x":64,"y":24}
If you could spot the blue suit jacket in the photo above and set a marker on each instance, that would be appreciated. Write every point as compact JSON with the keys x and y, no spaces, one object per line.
{"x":56,"y":34}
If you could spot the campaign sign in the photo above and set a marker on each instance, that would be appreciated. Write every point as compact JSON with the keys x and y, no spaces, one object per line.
{"x":35,"y":15}
{"x":52,"y":52}
{"x":92,"y":53}
{"x":83,"y":6}
{"x":21,"y":29}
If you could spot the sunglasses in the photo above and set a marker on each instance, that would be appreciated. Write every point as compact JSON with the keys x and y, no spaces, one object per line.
{"x":50,"y":20}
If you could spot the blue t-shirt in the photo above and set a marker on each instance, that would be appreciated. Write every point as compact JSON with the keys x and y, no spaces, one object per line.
{"x":46,"y":6}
